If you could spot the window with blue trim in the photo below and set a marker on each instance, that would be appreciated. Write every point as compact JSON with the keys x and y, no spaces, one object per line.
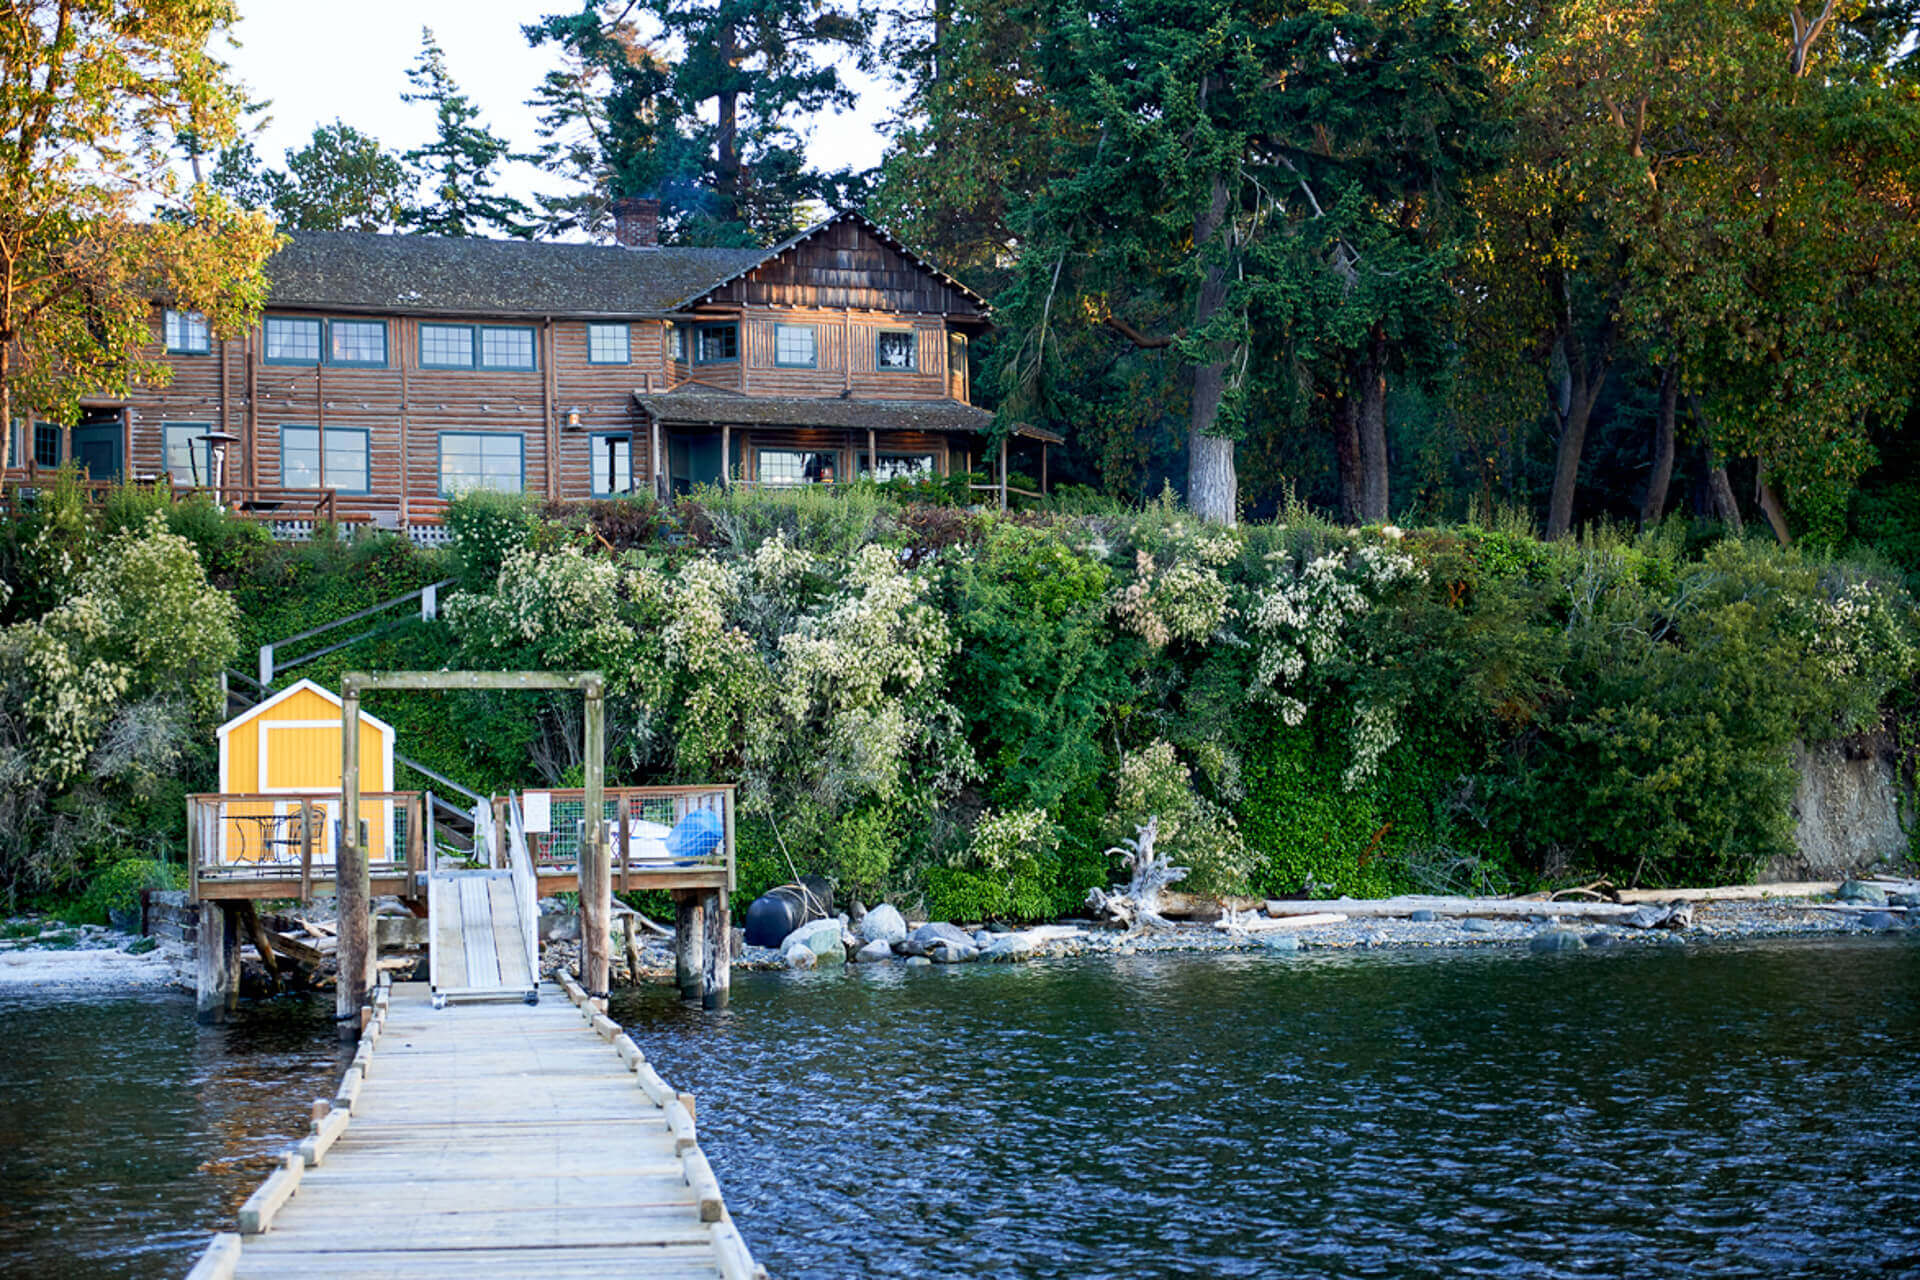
{"x":46,"y":444}
{"x":348,"y":451}
{"x":608,"y":344}
{"x":612,"y":463}
{"x":186,"y":333}
{"x":481,"y":460}
{"x":716,"y":343}
{"x":189,"y":459}
{"x":502,"y":348}
{"x":794,"y":346}
{"x":292,"y":340}
{"x":357,"y":342}
{"x":446,"y":346}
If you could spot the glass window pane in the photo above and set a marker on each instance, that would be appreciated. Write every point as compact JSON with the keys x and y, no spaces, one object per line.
{"x":796,"y":466}
{"x":716,"y":342}
{"x":359,"y":341}
{"x":300,"y":457}
{"x":186,"y":460}
{"x":893,"y":351}
{"x":900,"y":466}
{"x":469,"y":460}
{"x":186,"y":331}
{"x":506,"y":348}
{"x":607,"y":344}
{"x":612,"y":464}
{"x":793,"y":345}
{"x":292,"y":340}
{"x":446,"y":344}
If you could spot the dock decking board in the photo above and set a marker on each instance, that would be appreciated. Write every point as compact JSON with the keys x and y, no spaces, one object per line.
{"x":495,"y":1141}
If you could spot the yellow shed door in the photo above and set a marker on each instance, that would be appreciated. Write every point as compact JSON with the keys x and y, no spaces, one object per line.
{"x":304,"y":755}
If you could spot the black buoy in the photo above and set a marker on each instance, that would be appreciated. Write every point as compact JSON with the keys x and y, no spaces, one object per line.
{"x":779,"y":911}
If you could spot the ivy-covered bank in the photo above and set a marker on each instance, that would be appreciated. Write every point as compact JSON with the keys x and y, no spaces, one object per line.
{"x":967,"y":709}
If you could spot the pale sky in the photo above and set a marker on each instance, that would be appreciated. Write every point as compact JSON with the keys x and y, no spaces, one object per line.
{"x":348,"y":59}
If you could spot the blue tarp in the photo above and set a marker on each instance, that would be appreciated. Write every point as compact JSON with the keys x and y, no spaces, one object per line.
{"x":696,"y":835}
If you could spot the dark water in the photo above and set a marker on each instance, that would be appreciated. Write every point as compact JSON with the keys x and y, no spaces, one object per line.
{"x":1702,"y":1111}
{"x":128,"y":1134}
{"x":1715,"y":1111}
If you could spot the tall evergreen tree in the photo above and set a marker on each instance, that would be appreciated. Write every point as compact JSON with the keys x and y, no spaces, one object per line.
{"x":459,"y":169}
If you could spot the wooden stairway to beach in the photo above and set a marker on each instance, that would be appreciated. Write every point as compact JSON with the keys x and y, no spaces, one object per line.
{"x":490,"y":1140}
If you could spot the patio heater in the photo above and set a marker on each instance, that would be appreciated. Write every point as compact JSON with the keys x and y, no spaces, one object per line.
{"x":217,"y":443}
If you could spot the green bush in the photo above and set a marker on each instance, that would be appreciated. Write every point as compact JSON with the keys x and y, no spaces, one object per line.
{"x":117,"y":888}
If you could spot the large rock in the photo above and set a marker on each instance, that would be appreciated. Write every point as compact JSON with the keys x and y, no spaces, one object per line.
{"x":1477,"y":924}
{"x":1860,"y":891}
{"x":822,"y":937}
{"x":1282,"y":942}
{"x":1558,"y":940}
{"x":953,"y":953}
{"x":800,"y":956}
{"x":882,"y":924}
{"x":878,"y":949}
{"x":1007,"y":948}
{"x":1882,"y":920}
{"x":923,"y":940}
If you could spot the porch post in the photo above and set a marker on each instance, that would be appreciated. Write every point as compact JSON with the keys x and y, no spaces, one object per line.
{"x":352,"y":891}
{"x":726,"y":455}
{"x":653,"y":452}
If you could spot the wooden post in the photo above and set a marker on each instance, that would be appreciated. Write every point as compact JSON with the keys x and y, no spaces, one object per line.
{"x":726,"y":455}
{"x":215,"y":952}
{"x":689,"y":941}
{"x":250,"y":917}
{"x":1003,"y":473}
{"x":653,"y":453}
{"x":596,"y":871}
{"x":353,"y":890}
{"x":306,"y":850}
{"x":718,"y":978}
{"x":626,"y":850}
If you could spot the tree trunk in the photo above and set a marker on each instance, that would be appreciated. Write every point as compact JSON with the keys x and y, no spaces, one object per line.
{"x":1373,"y":430}
{"x":1654,"y":505}
{"x":1724,"y":505}
{"x":727,"y":145}
{"x":1212,"y":487}
{"x":1770,"y":504}
{"x":6,"y":406}
{"x":1586,"y":374}
{"x":1346,"y":453}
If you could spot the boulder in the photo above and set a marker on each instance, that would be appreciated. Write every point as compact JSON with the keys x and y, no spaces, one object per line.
{"x":882,"y":924}
{"x":917,"y":961}
{"x":1860,"y":891}
{"x":878,"y":949}
{"x":1476,"y":924}
{"x":1597,"y":940}
{"x":982,"y":939}
{"x":952,"y":953}
{"x":1557,"y":940}
{"x":922,"y":940}
{"x":1286,"y":943}
{"x":822,"y":937}
{"x":1006,"y":948}
{"x":1879,"y":920}
{"x":800,"y":956}
{"x":1423,"y":916}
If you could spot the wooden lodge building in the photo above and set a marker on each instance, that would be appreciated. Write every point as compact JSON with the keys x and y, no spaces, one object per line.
{"x":395,"y":372}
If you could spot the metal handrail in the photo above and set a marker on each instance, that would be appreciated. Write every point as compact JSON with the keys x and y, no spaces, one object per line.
{"x":428,"y":596}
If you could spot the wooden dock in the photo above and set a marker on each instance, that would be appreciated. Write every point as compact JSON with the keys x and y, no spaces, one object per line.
{"x":490,"y":1141}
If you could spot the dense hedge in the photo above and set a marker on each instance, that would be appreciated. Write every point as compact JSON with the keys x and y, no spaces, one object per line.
{"x":969,"y":709}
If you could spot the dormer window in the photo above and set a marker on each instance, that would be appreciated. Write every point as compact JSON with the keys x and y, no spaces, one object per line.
{"x":186,"y":333}
{"x":893,"y":352}
{"x":716,"y":343}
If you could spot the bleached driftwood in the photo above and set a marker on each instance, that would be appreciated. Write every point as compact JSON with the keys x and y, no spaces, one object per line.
{"x":1250,"y":922}
{"x":1138,"y":905}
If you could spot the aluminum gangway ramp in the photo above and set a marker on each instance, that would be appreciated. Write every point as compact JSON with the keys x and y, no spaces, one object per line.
{"x":483,"y":925}
{"x":491,"y":1142}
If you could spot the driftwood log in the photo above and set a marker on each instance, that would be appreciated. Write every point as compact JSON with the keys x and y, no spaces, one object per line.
{"x":1138,"y":905}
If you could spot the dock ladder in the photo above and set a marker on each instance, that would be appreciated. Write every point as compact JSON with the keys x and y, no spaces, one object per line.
{"x":485,"y":922}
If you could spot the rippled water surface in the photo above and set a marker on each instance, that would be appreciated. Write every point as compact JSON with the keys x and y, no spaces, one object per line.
{"x":129,"y":1134}
{"x":1686,"y":1111}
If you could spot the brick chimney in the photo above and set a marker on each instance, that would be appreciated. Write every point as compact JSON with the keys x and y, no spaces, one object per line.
{"x":636,"y":222}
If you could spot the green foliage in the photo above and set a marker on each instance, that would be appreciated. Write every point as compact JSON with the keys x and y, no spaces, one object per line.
{"x":118,"y":886}
{"x":487,"y":528}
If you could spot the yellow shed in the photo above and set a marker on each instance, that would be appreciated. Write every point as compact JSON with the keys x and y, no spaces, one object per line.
{"x":289,"y":746}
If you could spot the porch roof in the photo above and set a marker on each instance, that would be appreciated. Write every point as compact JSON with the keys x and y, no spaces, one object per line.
{"x":715,"y":409}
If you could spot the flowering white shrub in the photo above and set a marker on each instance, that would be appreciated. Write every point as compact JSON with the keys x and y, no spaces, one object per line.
{"x":1155,"y":782}
{"x":1010,"y":842}
{"x":1186,"y":601}
{"x":1304,"y":624}
{"x":142,"y":621}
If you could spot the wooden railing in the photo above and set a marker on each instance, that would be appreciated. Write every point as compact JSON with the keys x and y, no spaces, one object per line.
{"x":641,"y":825}
{"x":266,"y":504}
{"x":287,"y":835}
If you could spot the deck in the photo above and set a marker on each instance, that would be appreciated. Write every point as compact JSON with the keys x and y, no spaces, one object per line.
{"x":496,"y":1140}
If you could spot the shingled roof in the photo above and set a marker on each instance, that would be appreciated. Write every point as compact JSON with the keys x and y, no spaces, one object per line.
{"x":366,"y":271}
{"x":717,"y":408}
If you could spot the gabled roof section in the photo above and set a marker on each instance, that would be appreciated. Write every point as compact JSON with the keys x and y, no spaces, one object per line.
{"x":365,"y":271}
{"x":260,"y":707}
{"x":974,"y":303}
{"x":717,"y":408}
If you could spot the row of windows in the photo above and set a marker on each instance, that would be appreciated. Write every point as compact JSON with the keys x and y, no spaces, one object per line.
{"x":497,"y":460}
{"x":363,"y":344}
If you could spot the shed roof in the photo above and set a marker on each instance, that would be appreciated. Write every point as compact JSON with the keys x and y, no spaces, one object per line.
{"x":260,"y":708}
{"x":368,"y":271}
